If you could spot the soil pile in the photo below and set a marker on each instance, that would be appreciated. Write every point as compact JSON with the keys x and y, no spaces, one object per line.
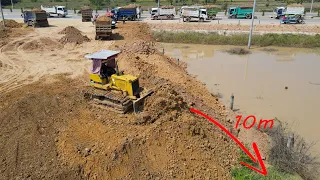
{"x":73,"y":35}
{"x":12,"y":23}
{"x":4,"y":32}
{"x":38,"y":10}
{"x":70,"y":30}
{"x":139,"y":47}
{"x":104,"y":18}
{"x":42,"y":44}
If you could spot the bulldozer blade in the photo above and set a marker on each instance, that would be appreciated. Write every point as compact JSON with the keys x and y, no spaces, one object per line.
{"x":138,"y":103}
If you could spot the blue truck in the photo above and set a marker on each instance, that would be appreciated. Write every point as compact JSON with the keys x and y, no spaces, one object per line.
{"x":35,"y":18}
{"x":130,"y":12}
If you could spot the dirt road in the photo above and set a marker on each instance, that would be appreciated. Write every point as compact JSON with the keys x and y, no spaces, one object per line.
{"x":48,"y":130}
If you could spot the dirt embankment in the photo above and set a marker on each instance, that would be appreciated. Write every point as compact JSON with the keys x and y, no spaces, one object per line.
{"x":296,"y":28}
{"x":49,"y":131}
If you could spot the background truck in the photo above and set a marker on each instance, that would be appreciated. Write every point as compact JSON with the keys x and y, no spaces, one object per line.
{"x":278,"y":12}
{"x":86,"y":13}
{"x":212,"y":11}
{"x":59,"y":11}
{"x":293,"y":14}
{"x":193,"y":12}
{"x":103,"y":26}
{"x":130,"y":12}
{"x":240,"y":12}
{"x":36,"y":18}
{"x":165,"y":12}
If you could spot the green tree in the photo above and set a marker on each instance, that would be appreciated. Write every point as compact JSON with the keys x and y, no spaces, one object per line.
{"x":97,"y":3}
{"x":267,"y":5}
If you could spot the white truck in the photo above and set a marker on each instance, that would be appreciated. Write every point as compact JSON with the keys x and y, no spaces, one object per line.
{"x":59,"y":11}
{"x":163,"y":13}
{"x":193,"y":13}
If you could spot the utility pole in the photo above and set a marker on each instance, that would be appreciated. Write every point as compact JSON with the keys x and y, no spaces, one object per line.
{"x":251,"y":27}
{"x":11,"y":5}
{"x":2,"y":14}
{"x":158,"y":4}
{"x":311,"y":6}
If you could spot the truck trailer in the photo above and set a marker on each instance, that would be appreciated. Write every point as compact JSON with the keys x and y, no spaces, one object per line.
{"x":163,"y":13}
{"x":240,"y":12}
{"x":103,"y":26}
{"x":193,"y":13}
{"x":130,"y":12}
{"x":59,"y":11}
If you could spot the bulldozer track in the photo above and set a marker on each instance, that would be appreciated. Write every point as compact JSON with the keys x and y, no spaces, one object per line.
{"x":111,"y":100}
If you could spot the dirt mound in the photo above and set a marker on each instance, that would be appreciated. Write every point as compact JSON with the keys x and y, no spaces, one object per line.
{"x":41,"y":44}
{"x":4,"y":32}
{"x":139,"y":47}
{"x":12,"y":23}
{"x":104,"y":18}
{"x":70,"y":30}
{"x":74,"y":38}
{"x":72,"y":35}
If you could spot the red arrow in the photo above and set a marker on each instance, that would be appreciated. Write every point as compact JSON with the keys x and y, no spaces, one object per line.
{"x":254,"y":145}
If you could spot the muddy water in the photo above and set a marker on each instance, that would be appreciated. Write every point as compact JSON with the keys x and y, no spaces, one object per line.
{"x":258,"y":82}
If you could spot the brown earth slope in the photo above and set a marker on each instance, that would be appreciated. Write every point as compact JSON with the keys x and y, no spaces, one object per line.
{"x":48,"y":131}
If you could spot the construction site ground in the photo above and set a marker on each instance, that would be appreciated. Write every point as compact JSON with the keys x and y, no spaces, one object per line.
{"x":49,"y":131}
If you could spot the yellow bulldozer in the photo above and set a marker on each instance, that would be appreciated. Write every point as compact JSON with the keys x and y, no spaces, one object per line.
{"x":112,"y":89}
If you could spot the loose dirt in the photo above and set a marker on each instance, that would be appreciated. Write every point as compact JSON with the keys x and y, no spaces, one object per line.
{"x":70,"y":30}
{"x":12,"y":23}
{"x":50,"y":132}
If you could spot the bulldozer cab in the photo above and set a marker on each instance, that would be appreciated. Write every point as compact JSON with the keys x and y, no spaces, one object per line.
{"x":105,"y":74}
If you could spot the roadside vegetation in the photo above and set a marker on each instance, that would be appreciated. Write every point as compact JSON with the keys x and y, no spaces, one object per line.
{"x":288,"y":40}
{"x":287,"y":159}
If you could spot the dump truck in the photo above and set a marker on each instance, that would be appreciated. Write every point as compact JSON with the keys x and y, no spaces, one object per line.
{"x":36,"y":18}
{"x":112,"y":89}
{"x":86,"y":13}
{"x":130,"y":12}
{"x":240,"y":12}
{"x":59,"y":11}
{"x":103,"y":26}
{"x":193,"y":13}
{"x":212,"y":11}
{"x":164,"y":12}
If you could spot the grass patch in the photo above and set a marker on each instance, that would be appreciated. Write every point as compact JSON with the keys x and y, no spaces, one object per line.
{"x":287,"y":40}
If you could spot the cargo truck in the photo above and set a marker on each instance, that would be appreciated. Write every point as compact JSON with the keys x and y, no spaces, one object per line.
{"x":59,"y":11}
{"x":36,"y":18}
{"x":103,"y":26}
{"x":193,"y":13}
{"x":294,"y":9}
{"x":86,"y":13}
{"x":293,"y":14}
{"x":240,"y":12}
{"x":212,"y":11}
{"x":163,"y":13}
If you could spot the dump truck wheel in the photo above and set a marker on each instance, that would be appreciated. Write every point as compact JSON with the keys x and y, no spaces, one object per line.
{"x":201,"y":19}
{"x":184,"y":20}
{"x":188,"y":19}
{"x":97,"y":37}
{"x":249,"y":16}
